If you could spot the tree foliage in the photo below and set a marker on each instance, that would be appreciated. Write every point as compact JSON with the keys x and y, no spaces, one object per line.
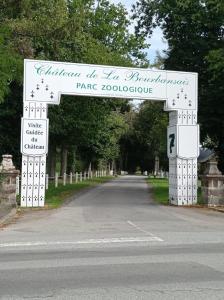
{"x":145,"y":138}
{"x":75,"y":31}
{"x":11,"y":63}
{"x":194,"y":30}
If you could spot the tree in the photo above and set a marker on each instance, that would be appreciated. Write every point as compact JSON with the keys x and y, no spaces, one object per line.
{"x":10,"y":119}
{"x":76,"y":123}
{"x":10,"y":93}
{"x":133,"y":151}
{"x":145,"y":138}
{"x":71,"y":31}
{"x":151,"y":126}
{"x":110,"y":25}
{"x":214,"y":125}
{"x":195,"y":35}
{"x":11,"y":62}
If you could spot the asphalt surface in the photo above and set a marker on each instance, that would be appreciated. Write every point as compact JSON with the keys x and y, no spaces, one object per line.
{"x":114,"y":242}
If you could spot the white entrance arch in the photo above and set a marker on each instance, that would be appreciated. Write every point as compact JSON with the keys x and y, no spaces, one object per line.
{"x":46,"y":81}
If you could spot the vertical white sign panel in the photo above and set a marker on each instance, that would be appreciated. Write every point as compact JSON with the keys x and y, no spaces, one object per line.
{"x":34,"y":137}
{"x":188,"y":141}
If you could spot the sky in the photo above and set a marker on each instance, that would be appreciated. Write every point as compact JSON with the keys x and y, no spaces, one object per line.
{"x":157,"y":41}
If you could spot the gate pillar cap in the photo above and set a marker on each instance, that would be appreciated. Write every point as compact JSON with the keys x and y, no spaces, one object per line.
{"x":212,"y":168}
{"x":7,"y":164}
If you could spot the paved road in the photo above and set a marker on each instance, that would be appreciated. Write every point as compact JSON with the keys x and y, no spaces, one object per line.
{"x":113,"y":242}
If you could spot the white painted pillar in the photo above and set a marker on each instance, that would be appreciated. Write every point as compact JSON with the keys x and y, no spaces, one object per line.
{"x":71,"y":177}
{"x":183,"y":133}
{"x":33,"y":167}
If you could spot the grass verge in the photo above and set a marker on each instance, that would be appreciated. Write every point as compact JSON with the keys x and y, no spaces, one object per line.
{"x":55,"y":197}
{"x":160,"y":190}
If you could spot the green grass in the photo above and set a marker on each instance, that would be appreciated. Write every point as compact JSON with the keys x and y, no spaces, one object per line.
{"x":55,"y":197}
{"x":160,"y":190}
{"x":200,"y":200}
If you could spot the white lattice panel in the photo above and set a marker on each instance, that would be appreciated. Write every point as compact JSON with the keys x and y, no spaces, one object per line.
{"x":42,"y":180}
{"x":36,"y":179}
{"x":24,"y":181}
{"x":185,"y":175}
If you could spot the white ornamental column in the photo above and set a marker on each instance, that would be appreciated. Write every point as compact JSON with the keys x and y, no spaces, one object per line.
{"x":38,"y":93}
{"x":33,"y":166}
{"x":183,"y":139}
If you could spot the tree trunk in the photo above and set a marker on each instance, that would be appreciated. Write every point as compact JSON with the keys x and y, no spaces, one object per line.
{"x":71,"y":160}
{"x":114,"y":167}
{"x":64,"y":159}
{"x":52,"y":160}
{"x":156,"y":166}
